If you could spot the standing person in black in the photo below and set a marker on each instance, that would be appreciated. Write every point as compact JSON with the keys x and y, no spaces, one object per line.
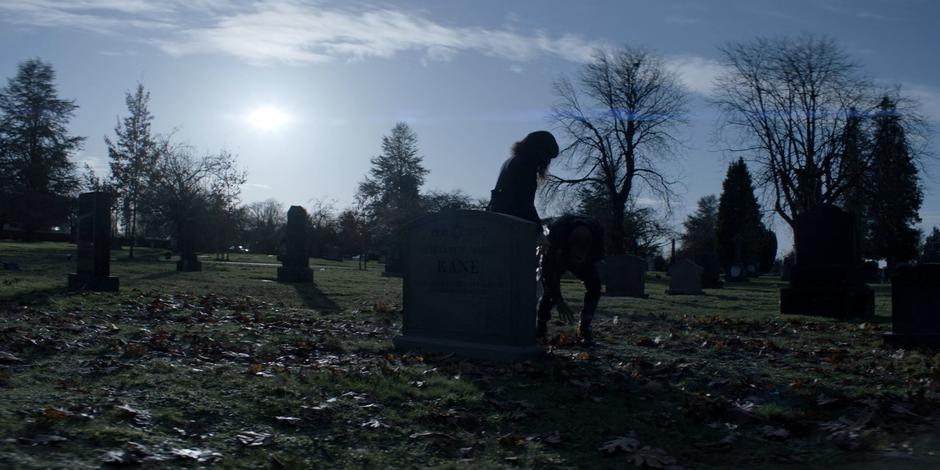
{"x":520,"y":175}
{"x":574,"y":244}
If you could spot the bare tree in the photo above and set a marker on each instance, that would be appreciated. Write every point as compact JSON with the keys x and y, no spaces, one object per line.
{"x":186,"y":188}
{"x":786,"y":102}
{"x":621,"y":117}
{"x":264,"y":220}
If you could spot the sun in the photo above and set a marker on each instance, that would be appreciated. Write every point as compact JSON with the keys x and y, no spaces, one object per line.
{"x":267,"y":118}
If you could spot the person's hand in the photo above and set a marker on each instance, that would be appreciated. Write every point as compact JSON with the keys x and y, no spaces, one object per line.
{"x":564,"y":312}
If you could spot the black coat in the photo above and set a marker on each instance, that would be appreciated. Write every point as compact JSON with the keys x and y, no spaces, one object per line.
{"x":515,"y":189}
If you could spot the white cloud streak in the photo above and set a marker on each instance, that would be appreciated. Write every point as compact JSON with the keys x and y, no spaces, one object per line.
{"x":291,"y":32}
{"x":299,"y":33}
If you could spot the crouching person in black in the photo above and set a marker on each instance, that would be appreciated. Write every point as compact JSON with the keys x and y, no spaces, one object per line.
{"x":575,"y":244}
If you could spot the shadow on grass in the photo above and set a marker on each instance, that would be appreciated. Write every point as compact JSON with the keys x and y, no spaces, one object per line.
{"x":314,"y":298}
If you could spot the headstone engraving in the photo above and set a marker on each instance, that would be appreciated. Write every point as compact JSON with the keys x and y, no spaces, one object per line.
{"x":685,"y":278}
{"x":94,"y":244}
{"x":468,"y":285}
{"x":625,"y":276}
{"x":915,"y":306}
{"x":295,"y":262}
{"x":827,"y":278}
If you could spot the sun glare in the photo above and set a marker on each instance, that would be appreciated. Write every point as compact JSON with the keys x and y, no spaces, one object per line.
{"x":267,"y":118}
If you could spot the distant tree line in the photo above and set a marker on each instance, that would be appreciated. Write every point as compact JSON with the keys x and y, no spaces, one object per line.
{"x":798,"y":111}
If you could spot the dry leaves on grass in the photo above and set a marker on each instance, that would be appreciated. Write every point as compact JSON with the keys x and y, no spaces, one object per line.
{"x":639,"y":455}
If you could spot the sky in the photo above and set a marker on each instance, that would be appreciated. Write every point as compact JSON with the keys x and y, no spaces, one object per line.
{"x":303,"y":91}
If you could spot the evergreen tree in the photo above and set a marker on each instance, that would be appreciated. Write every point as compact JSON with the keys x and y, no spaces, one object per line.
{"x":892,"y":211}
{"x":700,"y":235}
{"x":134,"y":157}
{"x":36,"y":147}
{"x":931,"y":250}
{"x":855,"y":152}
{"x":740,"y":232}
{"x":389,"y":195}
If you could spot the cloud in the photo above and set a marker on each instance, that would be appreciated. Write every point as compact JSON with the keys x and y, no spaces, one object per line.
{"x":299,"y":33}
{"x":927,"y":97}
{"x":696,"y":74}
{"x":290,"y":32}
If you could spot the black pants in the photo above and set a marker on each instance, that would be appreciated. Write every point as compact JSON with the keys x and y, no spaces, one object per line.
{"x":588,"y":275}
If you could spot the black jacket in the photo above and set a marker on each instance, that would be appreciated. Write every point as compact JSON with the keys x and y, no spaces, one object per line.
{"x":515,"y":190}
{"x":555,"y":262}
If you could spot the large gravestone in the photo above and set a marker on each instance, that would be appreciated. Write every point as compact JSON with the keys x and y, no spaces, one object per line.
{"x":786,"y":267}
{"x":827,"y":278}
{"x":295,"y":262}
{"x":94,"y":244}
{"x":685,"y":278}
{"x":915,"y":306}
{"x":711,"y":270}
{"x":189,"y":261}
{"x":394,"y":260}
{"x":625,"y":276}
{"x":468,"y":286}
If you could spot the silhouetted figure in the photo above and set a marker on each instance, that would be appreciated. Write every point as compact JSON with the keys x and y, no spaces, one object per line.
{"x":520,"y":174}
{"x":575,"y":244}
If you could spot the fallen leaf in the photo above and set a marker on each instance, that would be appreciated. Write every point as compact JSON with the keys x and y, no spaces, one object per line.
{"x":199,"y":455}
{"x":771,"y":432}
{"x":374,"y":423}
{"x":650,"y":457}
{"x":7,"y":358}
{"x":254,"y":439}
{"x":41,"y":440}
{"x":620,"y":444}
{"x":55,"y":413}
{"x":431,"y":435}
{"x":139,"y":416}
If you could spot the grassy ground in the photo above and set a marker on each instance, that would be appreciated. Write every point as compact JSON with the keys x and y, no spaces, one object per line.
{"x":228,"y":368}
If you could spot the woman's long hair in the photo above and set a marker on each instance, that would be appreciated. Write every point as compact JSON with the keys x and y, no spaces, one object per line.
{"x":540,"y":147}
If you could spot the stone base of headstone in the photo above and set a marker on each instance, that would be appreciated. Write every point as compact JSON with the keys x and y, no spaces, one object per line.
{"x":92,"y":283}
{"x":294,"y":274}
{"x":905,"y":341}
{"x":485,"y":351}
{"x":189,"y":265}
{"x":833,"y":302}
